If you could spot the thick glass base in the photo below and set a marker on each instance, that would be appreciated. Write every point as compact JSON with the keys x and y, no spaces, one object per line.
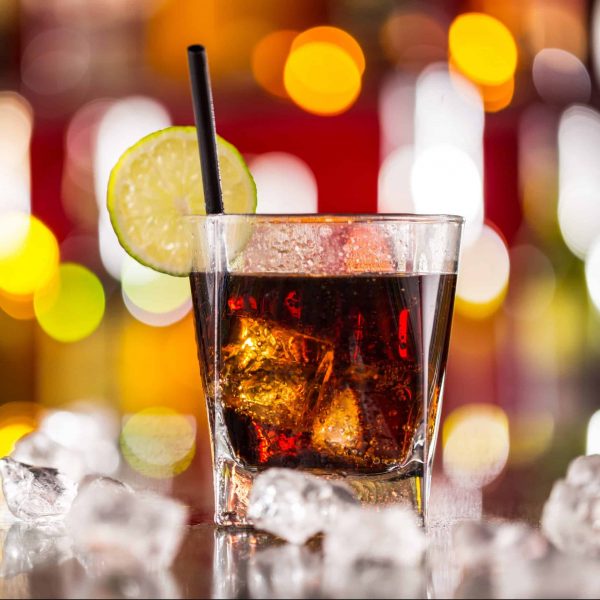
{"x":404,"y":487}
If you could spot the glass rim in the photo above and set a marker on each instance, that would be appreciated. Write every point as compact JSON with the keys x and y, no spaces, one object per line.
{"x":431,"y":219}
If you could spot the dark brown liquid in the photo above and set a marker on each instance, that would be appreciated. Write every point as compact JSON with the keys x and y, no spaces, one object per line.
{"x":327,"y":372}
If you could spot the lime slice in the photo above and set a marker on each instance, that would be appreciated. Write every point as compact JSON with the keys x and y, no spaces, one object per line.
{"x":157,"y":183}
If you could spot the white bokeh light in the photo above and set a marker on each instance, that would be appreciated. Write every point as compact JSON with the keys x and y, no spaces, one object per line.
{"x":396,"y":112}
{"x":560,"y":77}
{"x":445,"y":179}
{"x":447,"y":175}
{"x":123,"y":124}
{"x":154,"y":298}
{"x":579,"y":178}
{"x":592,"y":273}
{"x":393,"y":185}
{"x":484,"y":269}
{"x":593,"y":434}
{"x":448,"y":110}
{"x":16,"y":123}
{"x":284,"y":183}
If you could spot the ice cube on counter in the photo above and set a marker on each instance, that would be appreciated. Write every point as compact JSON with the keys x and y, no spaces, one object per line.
{"x":113,"y":526}
{"x":36,"y":493}
{"x":481,"y":545}
{"x":571,"y":515}
{"x":386,"y":536}
{"x":294,"y":505}
{"x":76,"y":442}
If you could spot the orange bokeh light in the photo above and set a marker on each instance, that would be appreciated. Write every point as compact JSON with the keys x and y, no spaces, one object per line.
{"x":268,"y":60}
{"x":17,"y":307}
{"x":483,"y":49}
{"x":337,"y":37}
{"x":322,"y":78}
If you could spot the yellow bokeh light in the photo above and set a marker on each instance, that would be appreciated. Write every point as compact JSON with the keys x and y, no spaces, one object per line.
{"x":322,"y":78}
{"x":475,"y":444}
{"x":72,"y":305}
{"x":482,"y":48}
{"x":11,"y":434}
{"x":17,"y":419}
{"x":159,"y":442}
{"x":268,"y":60}
{"x":28,"y":254}
{"x":337,"y":37}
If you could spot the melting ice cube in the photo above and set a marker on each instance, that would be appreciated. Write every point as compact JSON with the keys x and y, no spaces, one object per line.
{"x":112,"y":526}
{"x":571,"y":515}
{"x":387,"y":536}
{"x":274,"y":374}
{"x":35,"y":493}
{"x":295,"y":505}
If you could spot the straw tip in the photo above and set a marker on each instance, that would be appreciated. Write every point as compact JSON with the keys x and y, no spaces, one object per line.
{"x":196,"y":49}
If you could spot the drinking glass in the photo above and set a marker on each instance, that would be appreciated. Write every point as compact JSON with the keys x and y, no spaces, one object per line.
{"x":322,"y":341}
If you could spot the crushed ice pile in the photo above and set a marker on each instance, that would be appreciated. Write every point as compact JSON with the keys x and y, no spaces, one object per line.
{"x":55,"y":483}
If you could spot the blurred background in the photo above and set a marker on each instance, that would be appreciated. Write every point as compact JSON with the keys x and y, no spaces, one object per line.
{"x":486,"y":108}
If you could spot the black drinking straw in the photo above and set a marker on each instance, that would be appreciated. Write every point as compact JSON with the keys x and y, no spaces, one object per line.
{"x":205,"y":126}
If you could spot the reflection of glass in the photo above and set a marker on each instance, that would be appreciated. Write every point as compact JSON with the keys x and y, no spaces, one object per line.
{"x":317,"y":336}
{"x":248,"y":565}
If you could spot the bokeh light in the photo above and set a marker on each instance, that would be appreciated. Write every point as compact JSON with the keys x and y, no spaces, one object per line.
{"x":28,"y":254}
{"x":55,"y":61}
{"x":332,"y":35}
{"x":593,"y":434}
{"x":579,"y":178}
{"x":560,"y":77}
{"x":11,"y":434}
{"x":449,"y":120}
{"x":412,"y":39}
{"x":557,"y":25}
{"x":122,"y":125}
{"x":284,"y":184}
{"x":322,"y":78}
{"x":456,"y":188}
{"x":16,"y":123}
{"x":17,"y":419}
{"x":71,"y":306}
{"x":396,"y":112}
{"x":393,"y":184}
{"x":159,"y":442}
{"x":17,"y":307}
{"x":497,"y":97}
{"x":476,"y":444}
{"x":592,"y":273}
{"x":145,"y":376}
{"x":483,"y":275}
{"x":154,"y":298}
{"x":482,"y":48}
{"x":268,"y":60}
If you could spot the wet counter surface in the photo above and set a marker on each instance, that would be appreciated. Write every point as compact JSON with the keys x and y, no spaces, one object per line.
{"x":226,"y":563}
